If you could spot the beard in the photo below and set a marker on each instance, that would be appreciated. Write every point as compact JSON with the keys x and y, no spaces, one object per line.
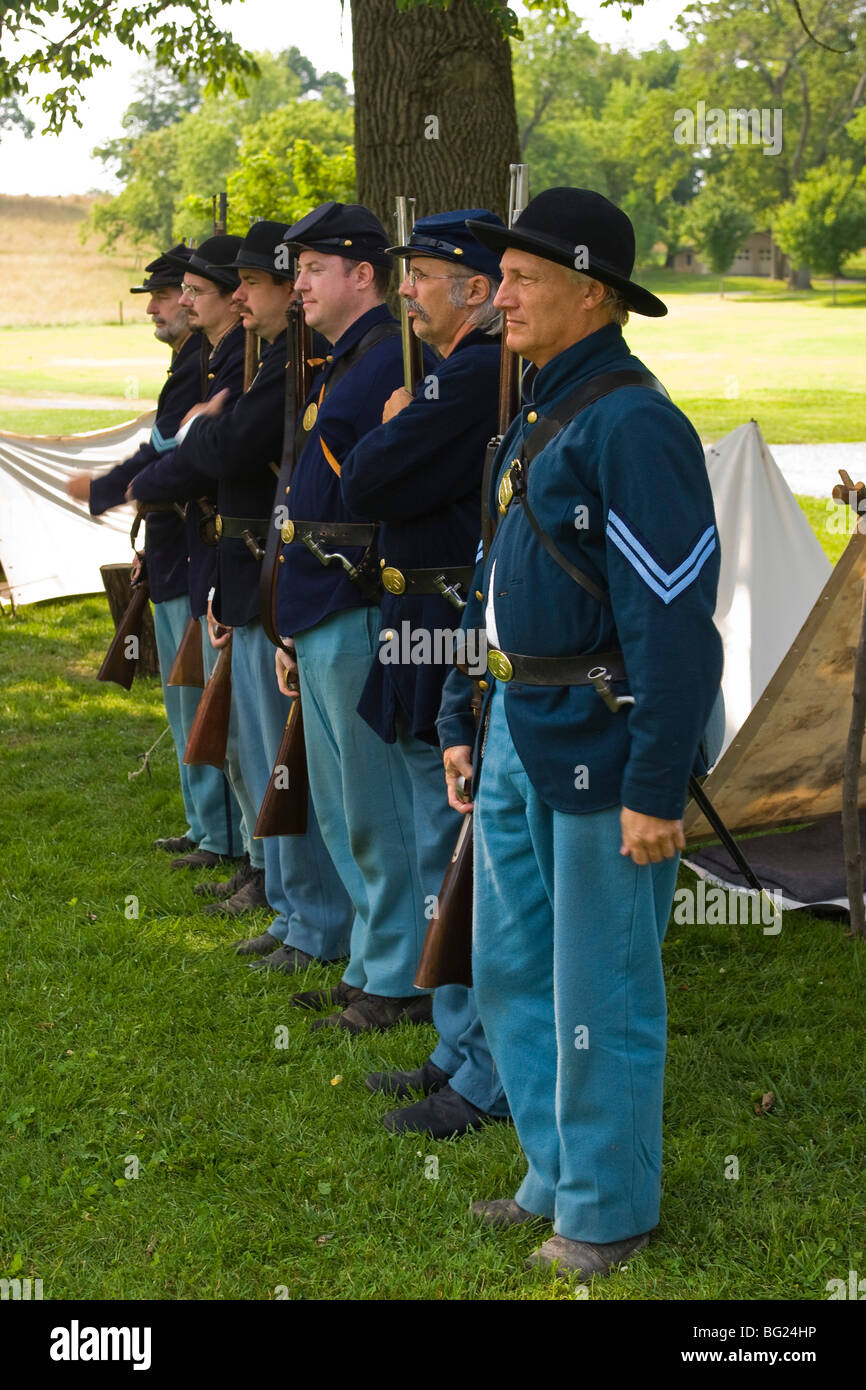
{"x":173,"y":329}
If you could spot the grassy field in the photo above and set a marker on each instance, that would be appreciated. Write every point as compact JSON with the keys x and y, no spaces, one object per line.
{"x":793,"y":363}
{"x":57,"y":277}
{"x":142,"y":1044}
{"x":789,"y":359}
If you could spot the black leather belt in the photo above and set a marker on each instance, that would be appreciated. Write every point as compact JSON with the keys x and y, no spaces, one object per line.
{"x":428,"y":581}
{"x":233,"y":527}
{"x":334,"y":532}
{"x":553,"y":670}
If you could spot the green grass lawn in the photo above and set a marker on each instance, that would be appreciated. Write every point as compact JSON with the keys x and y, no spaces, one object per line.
{"x":790,"y":360}
{"x":126,"y":362}
{"x":263,"y":1168}
{"x":63,"y":422}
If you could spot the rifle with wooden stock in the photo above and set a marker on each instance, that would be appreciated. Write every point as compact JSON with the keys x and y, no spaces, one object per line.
{"x":208,"y":737}
{"x":121,"y":659}
{"x":447,"y":955}
{"x":209,"y":734}
{"x":188,"y":665}
{"x":284,"y":807}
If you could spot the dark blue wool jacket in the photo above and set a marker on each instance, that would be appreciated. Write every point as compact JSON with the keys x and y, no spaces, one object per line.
{"x":165,"y":545}
{"x":623,"y":492}
{"x":309,"y":591}
{"x":228,"y":457}
{"x":420,"y":475}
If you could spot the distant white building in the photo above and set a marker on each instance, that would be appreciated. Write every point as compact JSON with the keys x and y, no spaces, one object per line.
{"x":758,"y":255}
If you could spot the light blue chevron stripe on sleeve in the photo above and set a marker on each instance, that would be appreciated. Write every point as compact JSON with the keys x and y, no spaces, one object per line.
{"x":159,"y":442}
{"x":667,"y":584}
{"x":479,"y":554}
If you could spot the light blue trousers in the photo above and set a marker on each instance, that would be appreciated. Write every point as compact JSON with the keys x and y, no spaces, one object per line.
{"x":249,"y":812}
{"x":368,"y":805}
{"x":301,"y":884}
{"x":568,"y":980}
{"x":462,"y":1050}
{"x":212,"y":812}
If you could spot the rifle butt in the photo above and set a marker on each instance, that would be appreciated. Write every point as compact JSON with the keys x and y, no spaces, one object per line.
{"x":188,"y":665}
{"x":447,"y":955}
{"x":209,"y":734}
{"x":122,"y":657}
{"x":284,"y":806}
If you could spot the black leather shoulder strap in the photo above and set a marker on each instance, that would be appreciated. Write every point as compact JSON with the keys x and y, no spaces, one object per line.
{"x":577,"y":400}
{"x":379,"y":333}
{"x":547,"y":429}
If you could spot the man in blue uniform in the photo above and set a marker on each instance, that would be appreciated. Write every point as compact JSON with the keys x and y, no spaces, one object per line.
{"x":212,"y":814}
{"x":599,"y":586}
{"x":419,"y":474}
{"x":331,"y":616}
{"x":240,"y":449}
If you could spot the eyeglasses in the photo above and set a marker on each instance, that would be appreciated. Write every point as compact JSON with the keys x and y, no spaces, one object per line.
{"x":413,"y":276}
{"x":193,"y":293}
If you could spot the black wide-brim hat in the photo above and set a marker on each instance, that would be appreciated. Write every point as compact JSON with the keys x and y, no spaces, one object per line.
{"x":213,"y":260}
{"x":166,"y":272}
{"x":582,"y":230}
{"x":262,"y":249}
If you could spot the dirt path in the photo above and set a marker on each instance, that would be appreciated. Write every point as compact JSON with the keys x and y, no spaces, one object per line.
{"x":133,"y":405}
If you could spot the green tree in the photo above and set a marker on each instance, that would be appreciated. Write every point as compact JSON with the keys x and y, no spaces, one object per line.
{"x":171,"y":172}
{"x":64,"y":38}
{"x":161,"y":100}
{"x":717,"y":226}
{"x":286,"y":184}
{"x":599,"y":119}
{"x":145,"y":208}
{"x":750,"y":57}
{"x":13,"y":118}
{"x":826,"y":220}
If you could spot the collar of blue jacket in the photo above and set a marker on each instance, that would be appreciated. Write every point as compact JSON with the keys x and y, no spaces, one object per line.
{"x":574,"y":365}
{"x":355,"y":332}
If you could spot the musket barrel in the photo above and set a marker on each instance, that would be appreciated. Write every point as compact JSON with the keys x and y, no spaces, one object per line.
{"x":412,"y":359}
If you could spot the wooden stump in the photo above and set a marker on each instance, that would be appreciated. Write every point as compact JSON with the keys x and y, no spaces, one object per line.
{"x":117,"y":587}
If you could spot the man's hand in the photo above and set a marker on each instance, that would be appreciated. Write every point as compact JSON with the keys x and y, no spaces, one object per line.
{"x":135,"y":573}
{"x":218,"y":634}
{"x":212,"y":407}
{"x":397,"y":401}
{"x":287,"y":668}
{"x":648,"y":839}
{"x":458,"y":763}
{"x":78,"y":486}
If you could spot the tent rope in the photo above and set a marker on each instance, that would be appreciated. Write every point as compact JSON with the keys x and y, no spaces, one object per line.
{"x":144,"y":758}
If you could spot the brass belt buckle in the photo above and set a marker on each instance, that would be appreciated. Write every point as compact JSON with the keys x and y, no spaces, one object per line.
{"x":218,"y":526}
{"x":393,"y":580}
{"x":287,"y":532}
{"x":498,"y":665}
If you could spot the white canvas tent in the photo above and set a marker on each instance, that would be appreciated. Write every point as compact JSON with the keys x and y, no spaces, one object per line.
{"x":50,"y":545}
{"x":772,"y":571}
{"x":783,"y":760}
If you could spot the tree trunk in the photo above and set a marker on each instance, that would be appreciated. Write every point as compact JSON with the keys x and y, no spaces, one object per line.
{"x":800,"y":279}
{"x":434,"y":108}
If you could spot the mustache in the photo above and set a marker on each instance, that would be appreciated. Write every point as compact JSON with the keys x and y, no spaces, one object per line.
{"x":416,"y":309}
